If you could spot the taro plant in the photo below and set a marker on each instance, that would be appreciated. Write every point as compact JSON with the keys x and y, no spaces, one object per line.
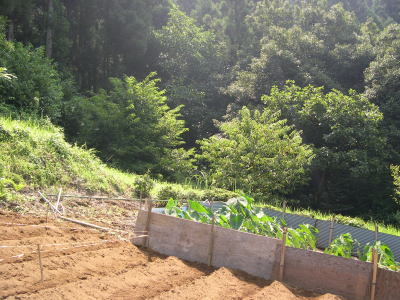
{"x":302,"y":237}
{"x":342,"y":246}
{"x":240,"y":214}
{"x":386,"y":257}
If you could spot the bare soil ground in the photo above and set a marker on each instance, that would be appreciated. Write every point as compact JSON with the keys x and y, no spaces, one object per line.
{"x":81,"y":263}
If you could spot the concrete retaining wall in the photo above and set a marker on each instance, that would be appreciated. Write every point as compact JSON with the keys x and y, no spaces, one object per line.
{"x":259,"y":256}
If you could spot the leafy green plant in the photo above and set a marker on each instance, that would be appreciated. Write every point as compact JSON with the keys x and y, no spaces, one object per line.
{"x":386,"y":257}
{"x":143,"y":185}
{"x":302,"y":237}
{"x":240,"y":214}
{"x":342,"y":246}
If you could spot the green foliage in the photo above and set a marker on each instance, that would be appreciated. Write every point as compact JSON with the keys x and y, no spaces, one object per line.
{"x":36,"y":85}
{"x":349,"y":169}
{"x":215,"y":56}
{"x":143,"y":185}
{"x":133,"y":126}
{"x":166,"y":192}
{"x":383,"y":84}
{"x":187,"y":47}
{"x":257,"y":152}
{"x":342,"y":246}
{"x":6,"y":76}
{"x":386,"y":257}
{"x":309,"y":42}
{"x":240,"y":214}
{"x":218,"y":194}
{"x":396,"y":179}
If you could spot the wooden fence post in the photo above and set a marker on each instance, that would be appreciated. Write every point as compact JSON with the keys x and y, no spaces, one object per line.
{"x":211,"y":244}
{"x":147,"y":228}
{"x":40,"y":263}
{"x":283,"y":250}
{"x":375,"y":259}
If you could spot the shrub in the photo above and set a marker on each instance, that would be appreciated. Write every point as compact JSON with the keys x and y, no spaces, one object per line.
{"x":166,"y":192}
{"x":217,"y":194}
{"x":28,"y":80}
{"x":143,"y":185}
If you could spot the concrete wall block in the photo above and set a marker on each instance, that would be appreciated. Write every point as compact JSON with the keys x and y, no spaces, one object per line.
{"x":248,"y":252}
{"x":326,"y":273}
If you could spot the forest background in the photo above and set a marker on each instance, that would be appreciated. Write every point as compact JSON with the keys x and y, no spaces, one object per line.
{"x":295,"y":100}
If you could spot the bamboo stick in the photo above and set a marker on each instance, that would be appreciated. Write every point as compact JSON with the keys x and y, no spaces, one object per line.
{"x":49,"y":203}
{"x":375,"y":259}
{"x":86,"y":224}
{"x":40,"y":263}
{"x":211,"y":244}
{"x":58,"y":198}
{"x":283,"y":251}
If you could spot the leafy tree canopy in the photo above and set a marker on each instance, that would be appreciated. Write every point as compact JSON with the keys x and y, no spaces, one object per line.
{"x":344,"y":131}
{"x":258,"y":153}
{"x":132,"y":126}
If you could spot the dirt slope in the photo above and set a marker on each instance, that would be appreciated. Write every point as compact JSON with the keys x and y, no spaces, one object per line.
{"x":86,"y":264}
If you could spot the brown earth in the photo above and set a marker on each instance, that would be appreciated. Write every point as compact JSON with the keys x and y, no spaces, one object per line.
{"x":93,"y":265}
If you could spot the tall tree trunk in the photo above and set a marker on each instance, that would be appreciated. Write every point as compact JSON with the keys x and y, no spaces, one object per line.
{"x":49,"y":32}
{"x":10,"y":31}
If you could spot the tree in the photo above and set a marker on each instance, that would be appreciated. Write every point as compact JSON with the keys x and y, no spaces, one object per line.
{"x":37,"y":88}
{"x":350,"y":172}
{"x":311,"y":44}
{"x":110,"y":38}
{"x":258,"y":153}
{"x":396,"y":179}
{"x":49,"y":31}
{"x":192,"y":59}
{"x":382,"y":80}
{"x":132,"y":126}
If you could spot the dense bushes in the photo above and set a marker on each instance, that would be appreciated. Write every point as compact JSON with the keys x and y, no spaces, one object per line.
{"x":133,"y":127}
{"x":36,"y":87}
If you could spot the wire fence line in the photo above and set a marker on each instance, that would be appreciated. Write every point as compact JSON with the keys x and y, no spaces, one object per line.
{"x":108,"y":198}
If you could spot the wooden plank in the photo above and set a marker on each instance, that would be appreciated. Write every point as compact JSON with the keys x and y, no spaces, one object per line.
{"x":147,"y":227}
